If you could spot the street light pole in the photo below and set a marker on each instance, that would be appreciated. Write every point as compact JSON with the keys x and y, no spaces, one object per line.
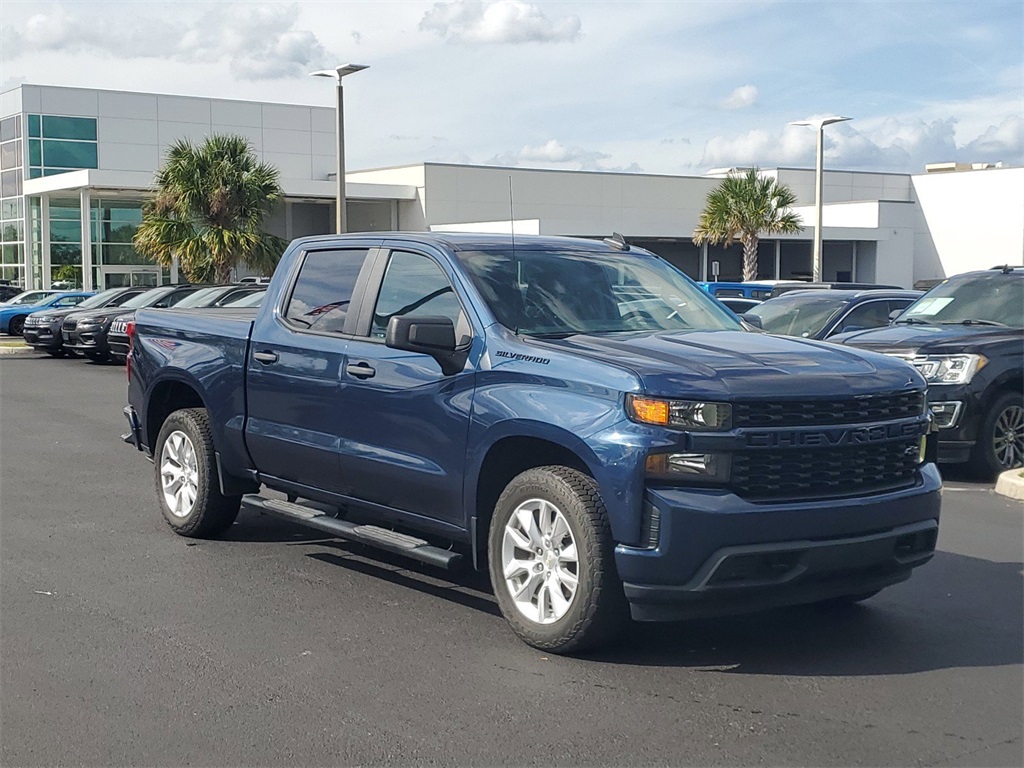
{"x":341,"y":214}
{"x":820,"y":124}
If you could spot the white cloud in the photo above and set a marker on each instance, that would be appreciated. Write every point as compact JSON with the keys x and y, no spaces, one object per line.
{"x":897,"y":144}
{"x":258,"y":41}
{"x":554,"y":154}
{"x":744,"y":96}
{"x":501,"y":21}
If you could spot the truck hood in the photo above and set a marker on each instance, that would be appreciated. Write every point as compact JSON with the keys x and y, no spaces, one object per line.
{"x":743,"y":365}
{"x":929,"y":339}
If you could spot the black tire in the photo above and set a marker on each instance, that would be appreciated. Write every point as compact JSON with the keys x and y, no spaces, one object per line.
{"x":55,"y":353}
{"x":97,"y":357}
{"x":1002,"y":423}
{"x":16,"y":325}
{"x":597,"y":611}
{"x":211,"y":512}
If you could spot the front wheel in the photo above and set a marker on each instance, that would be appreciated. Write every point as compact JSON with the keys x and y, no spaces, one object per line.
{"x":1000,"y":443}
{"x":16,"y":326}
{"x":552,"y":561}
{"x":186,"y":477}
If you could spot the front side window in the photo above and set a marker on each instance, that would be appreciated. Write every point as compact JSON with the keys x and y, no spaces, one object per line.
{"x":323,"y":291}
{"x":565,"y":292}
{"x":870,"y":314}
{"x":415,"y":285}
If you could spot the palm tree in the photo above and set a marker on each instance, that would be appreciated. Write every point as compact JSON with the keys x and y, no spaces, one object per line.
{"x":209,"y":208}
{"x":743,"y":208}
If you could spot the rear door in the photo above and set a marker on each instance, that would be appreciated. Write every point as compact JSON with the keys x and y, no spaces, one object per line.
{"x":296,"y":366}
{"x":403,"y":423}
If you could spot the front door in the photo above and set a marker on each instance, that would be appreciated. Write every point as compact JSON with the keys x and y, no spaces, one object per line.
{"x":122,"y":277}
{"x":404,"y":424}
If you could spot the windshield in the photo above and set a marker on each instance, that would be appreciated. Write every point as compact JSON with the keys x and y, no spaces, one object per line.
{"x":200,"y":298}
{"x":995,"y":299}
{"x":29,"y":298}
{"x":801,"y":315}
{"x":248,"y":300}
{"x":146,"y":298}
{"x":561,"y":293}
{"x":100,"y":299}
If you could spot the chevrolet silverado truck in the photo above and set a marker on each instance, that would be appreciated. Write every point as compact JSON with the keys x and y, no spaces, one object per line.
{"x":575,"y":417}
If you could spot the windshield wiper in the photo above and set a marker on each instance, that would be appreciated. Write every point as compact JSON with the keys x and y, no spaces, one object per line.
{"x":913,"y":321}
{"x":974,"y":321}
{"x":551,"y":335}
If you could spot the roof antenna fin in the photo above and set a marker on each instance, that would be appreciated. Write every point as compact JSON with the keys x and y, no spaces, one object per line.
{"x":617,"y":241}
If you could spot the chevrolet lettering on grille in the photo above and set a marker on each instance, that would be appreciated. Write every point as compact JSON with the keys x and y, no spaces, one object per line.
{"x":833,"y":437}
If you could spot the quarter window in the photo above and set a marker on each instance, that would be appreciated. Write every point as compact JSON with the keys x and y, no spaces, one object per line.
{"x":323,"y":291}
{"x":415,"y":285}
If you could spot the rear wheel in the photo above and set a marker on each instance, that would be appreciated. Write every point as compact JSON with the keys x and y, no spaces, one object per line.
{"x":552,"y":563}
{"x":186,"y":477}
{"x":16,"y":325}
{"x":1000,"y":443}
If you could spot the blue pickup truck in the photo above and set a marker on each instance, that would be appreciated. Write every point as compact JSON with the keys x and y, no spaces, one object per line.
{"x":576,"y":417}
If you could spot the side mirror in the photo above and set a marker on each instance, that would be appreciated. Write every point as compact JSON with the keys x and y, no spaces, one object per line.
{"x":894,"y":314}
{"x":434,"y":336}
{"x":752,"y":319}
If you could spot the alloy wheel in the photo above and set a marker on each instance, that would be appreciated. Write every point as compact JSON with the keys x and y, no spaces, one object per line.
{"x":179,"y":474}
{"x":1008,"y":437}
{"x":540,"y":561}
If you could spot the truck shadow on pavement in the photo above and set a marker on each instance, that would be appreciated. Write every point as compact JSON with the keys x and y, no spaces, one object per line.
{"x":956,"y":611}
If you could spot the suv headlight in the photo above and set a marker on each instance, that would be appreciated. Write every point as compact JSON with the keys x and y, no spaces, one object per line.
{"x":695,"y":415}
{"x":949,"y":369}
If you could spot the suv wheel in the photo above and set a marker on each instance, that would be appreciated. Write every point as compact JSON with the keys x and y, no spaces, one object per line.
{"x":16,"y":326}
{"x":552,"y":564}
{"x":1000,"y":444}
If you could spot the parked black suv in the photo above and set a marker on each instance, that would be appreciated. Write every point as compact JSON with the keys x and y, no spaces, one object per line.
{"x":86,"y":332}
{"x":43,"y":329}
{"x":966,"y":335}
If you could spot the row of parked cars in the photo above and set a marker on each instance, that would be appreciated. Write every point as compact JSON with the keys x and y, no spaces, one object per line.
{"x":95,"y":325}
{"x":965,"y":335}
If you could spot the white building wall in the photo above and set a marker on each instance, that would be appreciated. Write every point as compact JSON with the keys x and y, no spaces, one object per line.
{"x":896,"y":233}
{"x":968,"y":220}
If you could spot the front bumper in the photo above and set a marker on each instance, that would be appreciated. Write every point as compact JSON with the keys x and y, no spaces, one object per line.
{"x":43,"y":336}
{"x":89,"y":339}
{"x":957,"y":441}
{"x":718,"y":554}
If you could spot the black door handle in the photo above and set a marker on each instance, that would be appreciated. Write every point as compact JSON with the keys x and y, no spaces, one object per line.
{"x":265,"y":357}
{"x":360,"y":370}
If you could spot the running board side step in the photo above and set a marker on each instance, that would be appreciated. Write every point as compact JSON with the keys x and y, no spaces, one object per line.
{"x":371,"y":535}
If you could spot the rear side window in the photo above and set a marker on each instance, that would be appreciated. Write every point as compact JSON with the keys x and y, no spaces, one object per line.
{"x":323,"y":291}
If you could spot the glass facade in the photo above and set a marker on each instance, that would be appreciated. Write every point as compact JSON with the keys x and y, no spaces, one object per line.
{"x":12,"y":218}
{"x":59,"y":144}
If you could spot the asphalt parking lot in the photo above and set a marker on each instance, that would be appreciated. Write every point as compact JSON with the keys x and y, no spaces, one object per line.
{"x":122,"y":644}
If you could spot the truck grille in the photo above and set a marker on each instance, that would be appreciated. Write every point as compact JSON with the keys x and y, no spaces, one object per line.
{"x":824,"y":473}
{"x":811,"y":413}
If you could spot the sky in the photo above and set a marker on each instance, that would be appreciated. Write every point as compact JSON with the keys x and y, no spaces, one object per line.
{"x":645,"y":86}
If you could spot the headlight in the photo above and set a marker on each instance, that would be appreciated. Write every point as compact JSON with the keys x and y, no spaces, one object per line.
{"x":949,"y":369}
{"x":698,"y":467}
{"x":685,"y":414}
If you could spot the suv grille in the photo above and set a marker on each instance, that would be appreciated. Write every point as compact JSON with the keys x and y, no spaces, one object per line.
{"x":810,"y":413}
{"x":69,"y":324}
{"x":799,"y":473}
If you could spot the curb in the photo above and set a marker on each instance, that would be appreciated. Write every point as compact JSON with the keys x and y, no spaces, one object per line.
{"x":15,"y":350}
{"x":1010,"y":483}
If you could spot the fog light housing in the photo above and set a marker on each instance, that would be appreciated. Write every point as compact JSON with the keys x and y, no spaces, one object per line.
{"x":695,"y":467}
{"x":946,"y":414}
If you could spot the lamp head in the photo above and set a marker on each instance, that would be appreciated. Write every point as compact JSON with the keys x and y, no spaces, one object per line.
{"x":821,"y":122}
{"x":339,"y":72}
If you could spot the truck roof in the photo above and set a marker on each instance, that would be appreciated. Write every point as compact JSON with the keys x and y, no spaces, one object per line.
{"x":476,"y":241}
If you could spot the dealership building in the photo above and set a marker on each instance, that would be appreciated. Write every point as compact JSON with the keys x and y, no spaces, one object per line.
{"x":76,"y":165}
